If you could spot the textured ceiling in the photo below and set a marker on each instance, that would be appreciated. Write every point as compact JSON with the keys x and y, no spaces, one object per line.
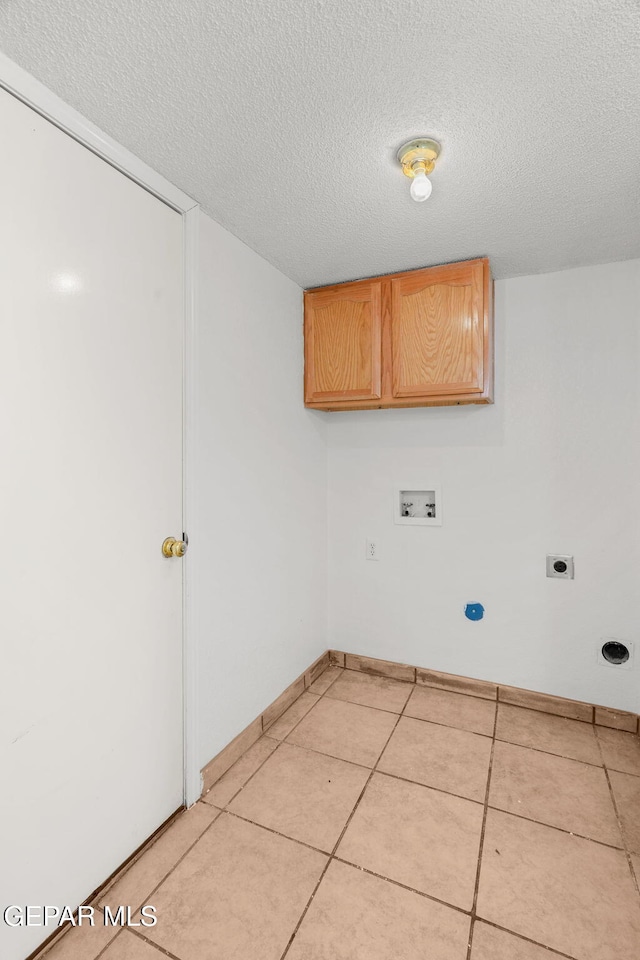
{"x":283,"y":117}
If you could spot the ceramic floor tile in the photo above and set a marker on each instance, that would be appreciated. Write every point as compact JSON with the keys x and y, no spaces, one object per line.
{"x":381,"y":692}
{"x":452,"y":709}
{"x":322,"y":684}
{"x":285,"y":724}
{"x":626,"y":790}
{"x":573,"y":895}
{"x":235,"y":778}
{"x":492,"y":944}
{"x":133,"y":887}
{"x":127,"y":946}
{"x":238,"y":894}
{"x":345,"y":730}
{"x":621,"y":751}
{"x":84,"y":942}
{"x":564,"y":793}
{"x":303,"y":794}
{"x":420,"y":837}
{"x":542,"y":731}
{"x":453,"y":760}
{"x":355,"y":916}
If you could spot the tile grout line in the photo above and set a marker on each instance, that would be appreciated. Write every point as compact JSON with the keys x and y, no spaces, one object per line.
{"x":520,"y":936}
{"x":482,"y":835}
{"x":418,"y":893}
{"x":410,"y":716}
{"x":110,"y":943}
{"x":152,"y":943}
{"x":278,"y":833}
{"x":339,"y":840}
{"x":332,"y":682}
{"x":627,"y":852}
{"x":552,"y":826}
{"x":549,"y":753}
{"x":403,"y":886}
{"x":69,"y":929}
{"x":321,"y":877}
{"x":369,"y":707}
{"x":320,"y":753}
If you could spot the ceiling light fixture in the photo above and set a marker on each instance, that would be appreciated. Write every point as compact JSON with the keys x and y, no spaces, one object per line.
{"x":418,"y":158}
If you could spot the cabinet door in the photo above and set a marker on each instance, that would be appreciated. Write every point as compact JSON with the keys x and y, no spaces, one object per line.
{"x":439,"y":328}
{"x":342,"y":342}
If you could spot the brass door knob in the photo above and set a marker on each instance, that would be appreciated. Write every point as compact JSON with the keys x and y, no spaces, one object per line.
{"x":174,"y":548}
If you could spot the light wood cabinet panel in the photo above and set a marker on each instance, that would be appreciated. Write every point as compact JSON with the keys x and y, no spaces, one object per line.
{"x":438,"y":331}
{"x":418,"y":338}
{"x":342,"y":343}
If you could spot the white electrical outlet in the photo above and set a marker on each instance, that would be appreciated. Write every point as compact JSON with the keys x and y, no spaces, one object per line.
{"x":373,"y":552}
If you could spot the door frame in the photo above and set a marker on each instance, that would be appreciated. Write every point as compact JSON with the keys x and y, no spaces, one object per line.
{"x":34,"y":94}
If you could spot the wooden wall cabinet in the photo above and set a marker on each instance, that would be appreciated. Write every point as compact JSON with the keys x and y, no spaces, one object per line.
{"x":413,"y":339}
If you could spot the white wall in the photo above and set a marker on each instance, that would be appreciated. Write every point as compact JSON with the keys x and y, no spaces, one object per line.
{"x":258,"y":556}
{"x":553,"y":466}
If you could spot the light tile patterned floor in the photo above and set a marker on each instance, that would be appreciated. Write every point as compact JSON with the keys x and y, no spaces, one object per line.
{"x":377,"y":820}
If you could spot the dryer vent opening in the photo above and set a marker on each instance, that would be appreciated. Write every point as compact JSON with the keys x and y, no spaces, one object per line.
{"x":615,"y":652}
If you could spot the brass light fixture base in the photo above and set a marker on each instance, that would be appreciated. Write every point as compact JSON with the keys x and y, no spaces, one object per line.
{"x":418,"y":155}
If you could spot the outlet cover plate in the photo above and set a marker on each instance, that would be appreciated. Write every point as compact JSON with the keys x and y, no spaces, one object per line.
{"x":558,"y":558}
{"x":372,"y":550}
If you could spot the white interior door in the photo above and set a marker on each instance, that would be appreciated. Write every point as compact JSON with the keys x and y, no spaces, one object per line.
{"x":91,"y":340}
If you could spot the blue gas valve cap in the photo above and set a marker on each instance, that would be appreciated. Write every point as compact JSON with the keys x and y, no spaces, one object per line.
{"x":474,"y":611}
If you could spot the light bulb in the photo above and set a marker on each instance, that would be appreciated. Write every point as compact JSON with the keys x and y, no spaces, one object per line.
{"x":421,"y":186}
